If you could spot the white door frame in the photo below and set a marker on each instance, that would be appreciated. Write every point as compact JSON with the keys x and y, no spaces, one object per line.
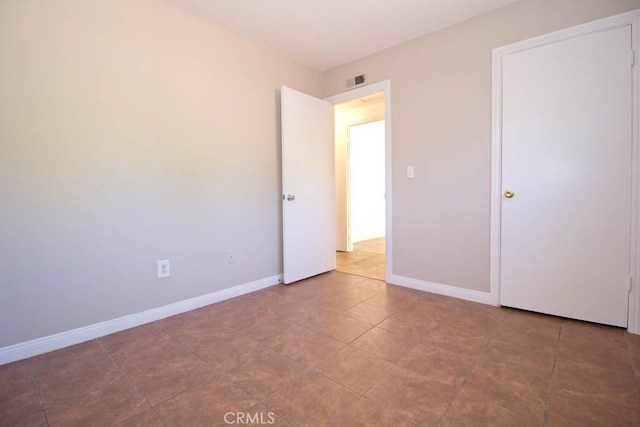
{"x":385,"y":87}
{"x":629,"y":18}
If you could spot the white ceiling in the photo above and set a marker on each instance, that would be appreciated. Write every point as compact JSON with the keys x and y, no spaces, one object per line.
{"x":326,"y":33}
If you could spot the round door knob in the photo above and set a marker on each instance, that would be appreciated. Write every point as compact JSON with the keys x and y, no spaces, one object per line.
{"x":291,"y":197}
{"x":509,"y":194}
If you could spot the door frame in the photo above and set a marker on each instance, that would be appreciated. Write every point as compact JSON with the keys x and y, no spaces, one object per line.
{"x":629,"y":18}
{"x":385,"y":87}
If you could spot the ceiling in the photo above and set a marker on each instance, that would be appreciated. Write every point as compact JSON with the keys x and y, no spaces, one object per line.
{"x":326,"y":33}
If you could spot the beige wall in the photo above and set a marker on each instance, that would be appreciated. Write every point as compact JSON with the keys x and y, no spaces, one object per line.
{"x":441,"y":118}
{"x":348,"y":114}
{"x":131,"y":132}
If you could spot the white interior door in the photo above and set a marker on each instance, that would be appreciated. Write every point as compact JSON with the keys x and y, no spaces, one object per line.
{"x":566,"y":156}
{"x":308,"y":212}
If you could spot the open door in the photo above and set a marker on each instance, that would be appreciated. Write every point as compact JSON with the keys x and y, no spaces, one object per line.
{"x":308,"y":191}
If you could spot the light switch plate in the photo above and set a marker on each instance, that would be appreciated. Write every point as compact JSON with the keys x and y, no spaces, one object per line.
{"x":411,"y":172}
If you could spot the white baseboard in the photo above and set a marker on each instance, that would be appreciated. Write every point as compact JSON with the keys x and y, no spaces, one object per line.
{"x":437,"y":288}
{"x":42,"y":345}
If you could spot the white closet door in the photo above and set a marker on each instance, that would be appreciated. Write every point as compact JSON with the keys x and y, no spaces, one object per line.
{"x":567,"y":152}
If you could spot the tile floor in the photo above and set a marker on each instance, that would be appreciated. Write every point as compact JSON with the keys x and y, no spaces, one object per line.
{"x":367,"y":259}
{"x":338,"y":349}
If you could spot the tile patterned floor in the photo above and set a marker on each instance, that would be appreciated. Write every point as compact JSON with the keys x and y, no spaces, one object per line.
{"x":338,"y":349}
{"x":367,"y":259}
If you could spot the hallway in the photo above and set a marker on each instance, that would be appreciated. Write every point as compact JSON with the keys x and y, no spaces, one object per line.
{"x":367,"y":259}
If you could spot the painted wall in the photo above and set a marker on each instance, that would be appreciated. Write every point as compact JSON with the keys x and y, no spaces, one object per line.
{"x":130,"y":132}
{"x":441,"y":107}
{"x":348,"y":114}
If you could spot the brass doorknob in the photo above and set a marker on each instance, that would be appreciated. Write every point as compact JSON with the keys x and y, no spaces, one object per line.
{"x":509,"y":194}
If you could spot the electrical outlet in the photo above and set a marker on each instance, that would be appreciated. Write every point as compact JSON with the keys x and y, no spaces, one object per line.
{"x":231,"y":256}
{"x":163,"y":269}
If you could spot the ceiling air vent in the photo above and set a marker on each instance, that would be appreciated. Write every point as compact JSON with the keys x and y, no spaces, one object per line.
{"x":355,"y":81}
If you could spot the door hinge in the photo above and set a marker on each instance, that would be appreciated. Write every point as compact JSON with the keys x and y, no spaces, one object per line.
{"x":632,"y":58}
{"x":629,"y":283}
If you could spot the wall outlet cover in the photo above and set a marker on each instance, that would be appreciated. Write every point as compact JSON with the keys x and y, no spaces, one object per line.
{"x":163,"y":269}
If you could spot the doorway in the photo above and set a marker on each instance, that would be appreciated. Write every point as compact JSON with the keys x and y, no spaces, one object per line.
{"x":360,"y":186}
{"x":308,"y":179}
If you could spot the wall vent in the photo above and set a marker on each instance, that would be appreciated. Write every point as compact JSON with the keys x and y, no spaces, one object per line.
{"x":355,"y":81}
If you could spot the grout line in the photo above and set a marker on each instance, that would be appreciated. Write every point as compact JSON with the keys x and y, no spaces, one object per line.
{"x":307,"y":370}
{"x":393,"y":365}
{"x":126,"y":374}
{"x":226,"y":376}
{"x":348,"y":408}
{"x":312,"y":369}
{"x":37,"y":387}
{"x":553,"y":372}
{"x":363,"y":395}
{"x":223,"y":374}
{"x":476,"y":362}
